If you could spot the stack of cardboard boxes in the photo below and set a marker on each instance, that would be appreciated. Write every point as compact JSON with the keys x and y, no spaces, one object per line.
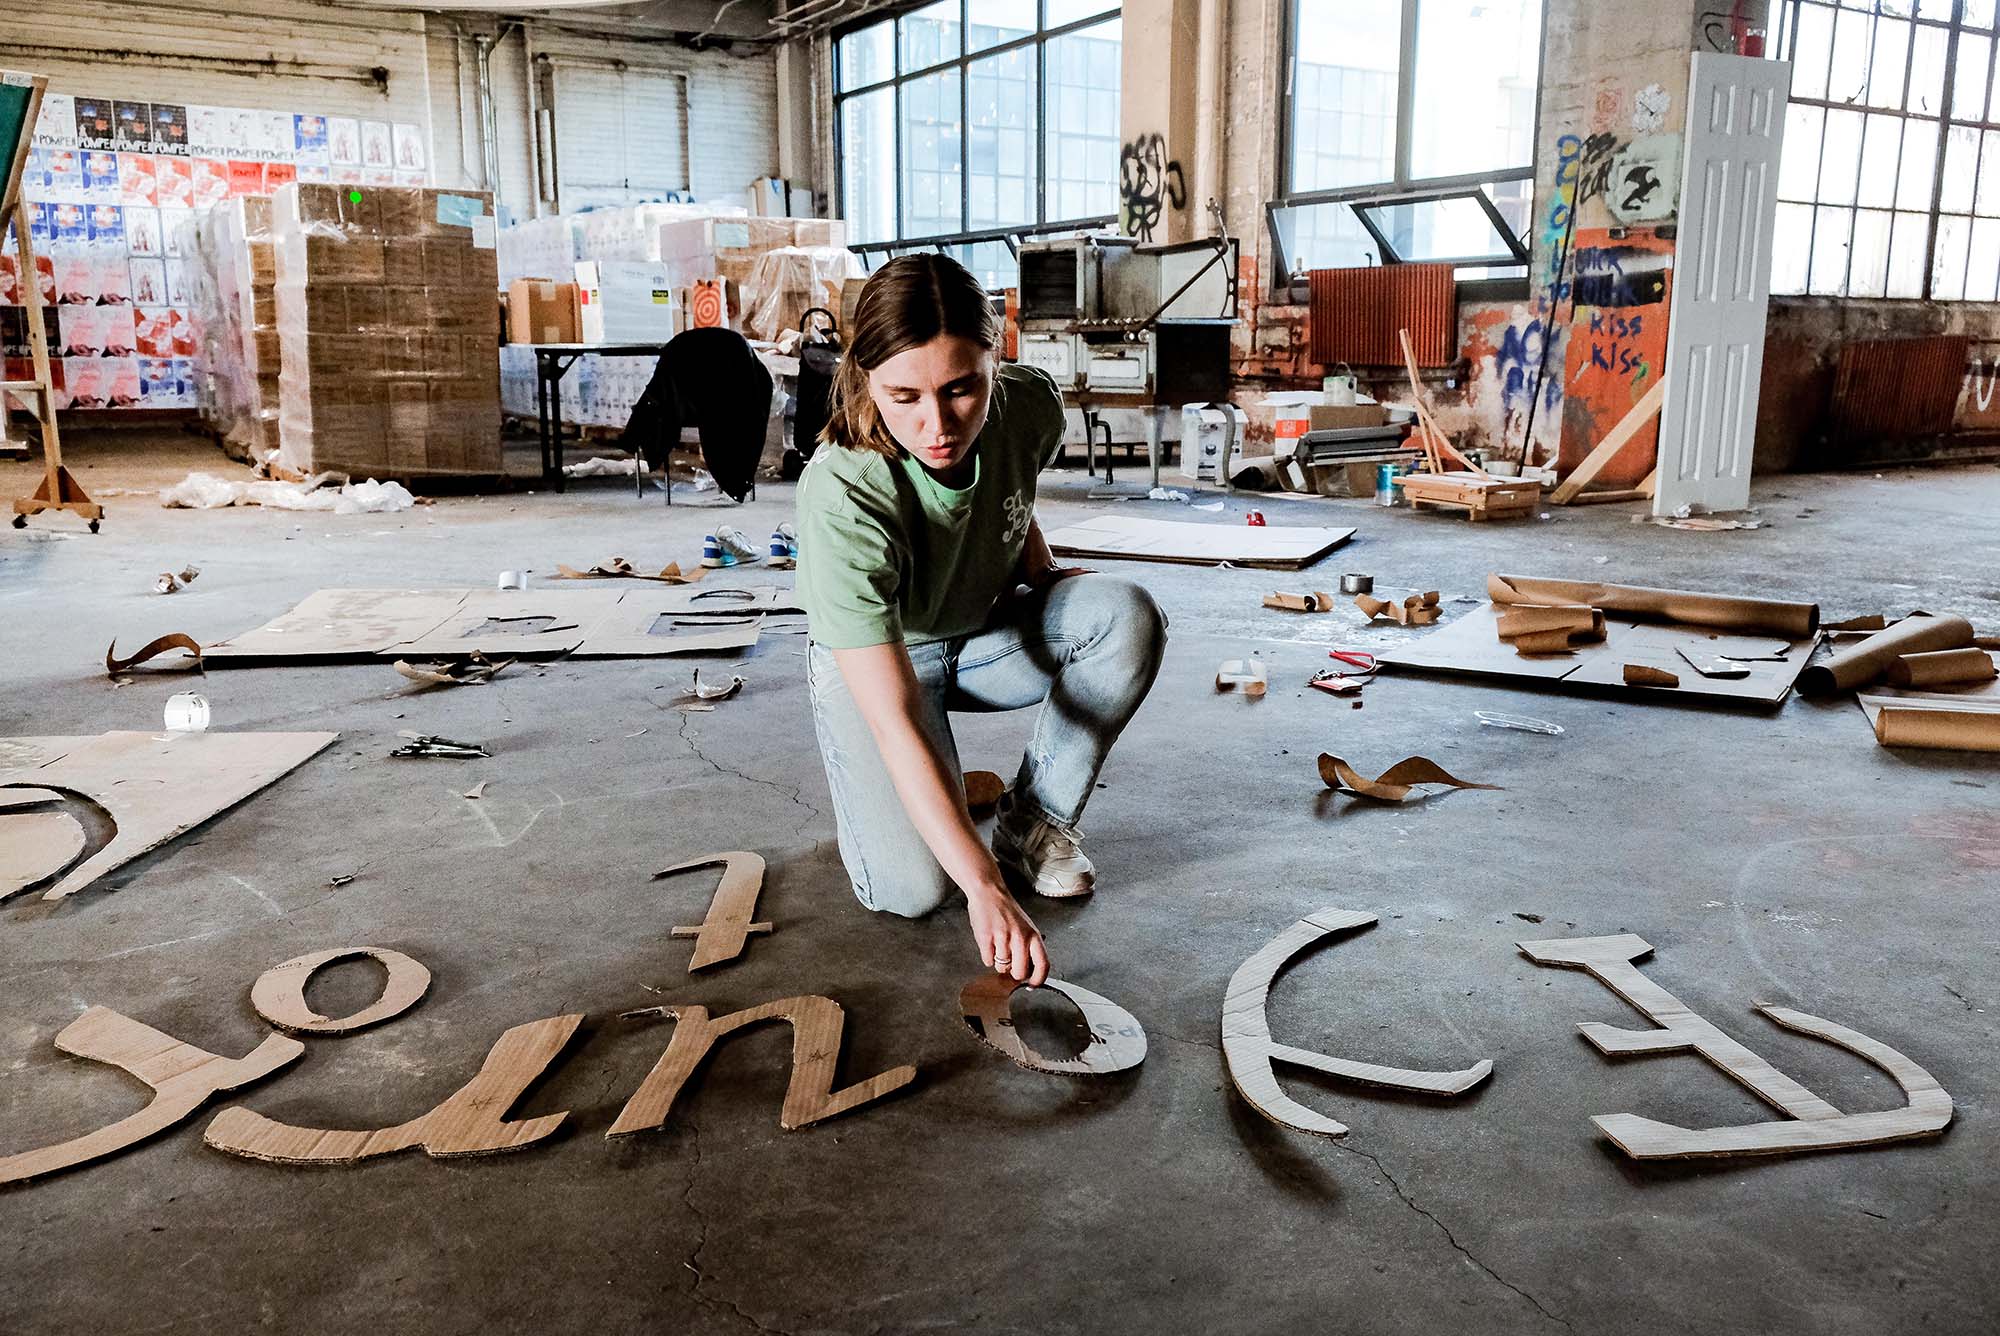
{"x":388,"y":325}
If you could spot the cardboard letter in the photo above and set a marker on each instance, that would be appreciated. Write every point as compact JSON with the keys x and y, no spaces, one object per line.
{"x":1819,"y":1125}
{"x":1117,"y":1040}
{"x":471,"y":1122}
{"x":1249,"y":1050}
{"x":817,"y":1023}
{"x":727,"y":927}
{"x":279,"y":995}
{"x":181,"y":1075}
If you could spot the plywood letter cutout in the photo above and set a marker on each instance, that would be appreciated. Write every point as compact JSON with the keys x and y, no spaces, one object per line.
{"x":817,"y":1023}
{"x":1819,"y":1125}
{"x":181,"y":1075}
{"x":1249,"y":1050}
{"x":723,"y":933}
{"x":279,"y":995}
{"x":471,"y":1122}
{"x":1117,"y":1040}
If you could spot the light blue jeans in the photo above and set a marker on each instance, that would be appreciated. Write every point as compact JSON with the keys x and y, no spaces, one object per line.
{"x":1085,"y":649}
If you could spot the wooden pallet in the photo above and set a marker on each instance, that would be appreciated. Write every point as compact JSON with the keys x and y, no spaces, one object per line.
{"x":1479,"y":497}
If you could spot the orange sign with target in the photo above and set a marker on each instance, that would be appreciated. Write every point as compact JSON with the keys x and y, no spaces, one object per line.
{"x":707,"y":307}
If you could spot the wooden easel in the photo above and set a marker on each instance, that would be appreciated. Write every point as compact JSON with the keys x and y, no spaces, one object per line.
{"x":59,"y":490}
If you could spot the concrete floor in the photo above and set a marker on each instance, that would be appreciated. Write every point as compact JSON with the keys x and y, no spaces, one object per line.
{"x":1779,"y":857}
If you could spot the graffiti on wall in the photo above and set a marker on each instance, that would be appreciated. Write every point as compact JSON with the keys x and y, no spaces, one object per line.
{"x":1617,"y":343}
{"x":1643,"y":185}
{"x":1149,"y":183}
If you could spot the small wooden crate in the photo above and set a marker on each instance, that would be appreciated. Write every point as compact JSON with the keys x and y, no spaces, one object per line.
{"x":1481,"y":498}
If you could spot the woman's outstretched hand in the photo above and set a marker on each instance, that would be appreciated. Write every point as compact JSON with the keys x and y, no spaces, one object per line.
{"x":1007,"y":938}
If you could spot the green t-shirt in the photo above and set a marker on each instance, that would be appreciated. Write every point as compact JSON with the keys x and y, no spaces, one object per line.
{"x":888,"y":553}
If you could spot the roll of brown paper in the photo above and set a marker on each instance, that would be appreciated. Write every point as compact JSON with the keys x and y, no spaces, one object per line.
{"x":1860,"y":664}
{"x":1949,"y":730}
{"x":1794,"y":621}
{"x":1579,"y":619}
{"x":1942,"y":668}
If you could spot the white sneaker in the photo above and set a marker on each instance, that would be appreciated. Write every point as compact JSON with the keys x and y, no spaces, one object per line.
{"x":728,"y":546}
{"x":1045,"y":857}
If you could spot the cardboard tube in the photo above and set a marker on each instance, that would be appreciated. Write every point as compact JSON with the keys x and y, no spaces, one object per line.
{"x":1942,"y":668}
{"x":1949,"y":730}
{"x":1542,"y":642}
{"x":1793,"y":621}
{"x":1860,"y":664}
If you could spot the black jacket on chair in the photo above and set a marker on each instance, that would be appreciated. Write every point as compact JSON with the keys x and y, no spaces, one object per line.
{"x":711,"y":380}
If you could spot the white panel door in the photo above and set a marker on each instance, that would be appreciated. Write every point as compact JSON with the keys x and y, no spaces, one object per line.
{"x":620,"y":135}
{"x":1722,"y":282}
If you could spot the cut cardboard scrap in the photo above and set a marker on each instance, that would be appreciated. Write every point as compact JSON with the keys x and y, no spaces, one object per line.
{"x":279,"y":995}
{"x":1712,"y":665}
{"x":982,"y":791}
{"x":471,"y":1122}
{"x":35,"y":846}
{"x":1135,"y":538}
{"x":1245,"y":676}
{"x":1316,"y":601}
{"x":472,"y":669}
{"x":727,"y":927}
{"x":1859,"y":665}
{"x":153,"y":786}
{"x":617,"y":568}
{"x":1250,"y":1052}
{"x":1117,"y":1041}
{"x":817,"y":1025}
{"x":153,"y":649}
{"x":1724,"y":612}
{"x":1818,"y":1126}
{"x":1398,"y":784}
{"x":343,"y":624}
{"x":1644,"y":675}
{"x":1416,"y":610}
{"x":1942,"y":668}
{"x":1873,"y":621}
{"x":181,"y":1076}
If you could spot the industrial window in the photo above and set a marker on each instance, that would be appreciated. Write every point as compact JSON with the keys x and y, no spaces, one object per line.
{"x":966,"y":120}
{"x":1395,"y":98}
{"x":1890,"y":181}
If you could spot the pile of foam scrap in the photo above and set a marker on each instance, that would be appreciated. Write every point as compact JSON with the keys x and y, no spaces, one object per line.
{"x":1416,"y":610}
{"x":1943,"y":687}
{"x":1550,"y":628}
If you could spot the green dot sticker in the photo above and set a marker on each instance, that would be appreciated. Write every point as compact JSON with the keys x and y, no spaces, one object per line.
{"x":353,"y":197}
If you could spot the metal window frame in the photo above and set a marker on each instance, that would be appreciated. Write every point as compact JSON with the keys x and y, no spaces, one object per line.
{"x":898,"y":77}
{"x":1403,"y":184}
{"x":1790,"y":12}
{"x":1516,"y":252}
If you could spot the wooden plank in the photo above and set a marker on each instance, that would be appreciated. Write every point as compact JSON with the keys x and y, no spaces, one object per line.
{"x":1117,"y":1041}
{"x":1249,"y":1051}
{"x":1614,"y":441}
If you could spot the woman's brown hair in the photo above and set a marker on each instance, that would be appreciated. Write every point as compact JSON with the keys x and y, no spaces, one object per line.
{"x":905,"y":304}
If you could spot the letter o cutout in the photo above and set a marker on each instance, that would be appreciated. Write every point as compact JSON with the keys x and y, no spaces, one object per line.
{"x":279,"y":995}
{"x":1117,"y":1041}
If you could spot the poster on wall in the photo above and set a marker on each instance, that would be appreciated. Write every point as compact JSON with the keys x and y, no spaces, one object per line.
{"x":135,"y":125}
{"x":170,"y":130}
{"x":138,"y":180}
{"x":271,"y":137}
{"x":173,"y":183}
{"x":343,"y":145}
{"x":55,"y":124}
{"x":96,"y":125}
{"x":100,"y":178}
{"x":412,"y":169}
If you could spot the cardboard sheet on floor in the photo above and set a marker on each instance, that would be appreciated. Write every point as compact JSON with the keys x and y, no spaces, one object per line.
{"x":154,"y":786}
{"x":342,"y":624}
{"x":1960,"y":720}
{"x":644,"y":625}
{"x":1133,"y":538}
{"x":516,"y":622}
{"x":1471,"y":645}
{"x":728,"y":601}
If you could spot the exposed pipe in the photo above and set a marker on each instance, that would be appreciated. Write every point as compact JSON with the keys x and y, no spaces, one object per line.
{"x":1212,"y":40}
{"x":489,"y":117}
{"x":538,"y":160}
